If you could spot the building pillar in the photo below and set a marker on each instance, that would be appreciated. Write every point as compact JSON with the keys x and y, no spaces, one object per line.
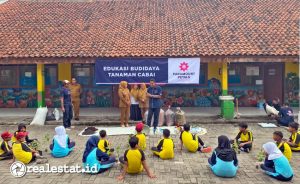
{"x":224,"y":78}
{"x":40,"y":85}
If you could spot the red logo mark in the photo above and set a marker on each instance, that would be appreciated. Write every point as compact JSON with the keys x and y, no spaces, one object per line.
{"x":184,"y":66}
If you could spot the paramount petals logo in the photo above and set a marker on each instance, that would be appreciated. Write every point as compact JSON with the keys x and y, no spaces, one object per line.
{"x":184,"y":66}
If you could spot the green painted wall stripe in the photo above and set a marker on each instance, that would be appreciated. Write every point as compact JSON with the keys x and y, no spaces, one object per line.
{"x":41,"y":98}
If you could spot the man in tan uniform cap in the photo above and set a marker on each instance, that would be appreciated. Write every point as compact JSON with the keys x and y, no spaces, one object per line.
{"x":75,"y":89}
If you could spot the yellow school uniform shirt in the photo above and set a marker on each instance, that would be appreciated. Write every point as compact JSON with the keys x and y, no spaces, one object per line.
{"x":134,"y":159}
{"x":188,"y":141}
{"x":103,"y":145}
{"x":166,"y":146}
{"x":285,"y":149}
{"x":22,"y":152}
{"x":142,"y":140}
{"x":245,"y":137}
{"x":3,"y":146}
{"x":295,"y":138}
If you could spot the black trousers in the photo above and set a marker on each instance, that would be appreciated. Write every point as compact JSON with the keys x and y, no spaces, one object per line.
{"x":67,"y":115}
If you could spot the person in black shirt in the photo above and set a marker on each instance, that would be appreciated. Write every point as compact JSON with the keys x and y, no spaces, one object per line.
{"x":285,"y":115}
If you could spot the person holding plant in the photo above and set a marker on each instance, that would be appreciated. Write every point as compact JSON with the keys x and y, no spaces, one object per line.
{"x":223,"y":161}
{"x":23,"y":153}
{"x":22,"y":128}
{"x":5,"y":148}
{"x":61,"y":146}
{"x":103,"y":144}
{"x":294,"y":141}
{"x":276,"y":164}
{"x":282,"y":146}
{"x":94,"y":160}
{"x":124,"y":103}
{"x":244,"y":138}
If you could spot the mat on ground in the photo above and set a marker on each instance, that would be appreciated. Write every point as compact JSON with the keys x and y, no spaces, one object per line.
{"x":267,"y":125}
{"x":131,"y":130}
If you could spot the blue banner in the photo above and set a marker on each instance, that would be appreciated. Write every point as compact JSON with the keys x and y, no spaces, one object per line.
{"x":113,"y":71}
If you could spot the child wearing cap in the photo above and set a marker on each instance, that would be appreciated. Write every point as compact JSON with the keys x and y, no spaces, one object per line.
{"x":61,"y":145}
{"x":5,"y":148}
{"x":21,"y":150}
{"x":134,"y":160}
{"x":244,"y":138}
{"x":192,"y":143}
{"x":103,"y":143}
{"x":141,"y":136}
{"x":282,"y":146}
{"x":22,"y":128}
{"x":294,"y":140}
{"x":165,"y":147}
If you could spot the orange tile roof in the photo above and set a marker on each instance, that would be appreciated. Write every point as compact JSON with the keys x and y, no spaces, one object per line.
{"x":149,"y":28}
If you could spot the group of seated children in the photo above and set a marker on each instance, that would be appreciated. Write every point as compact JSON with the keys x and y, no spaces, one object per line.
{"x":98,"y":156}
{"x":279,"y":154}
{"x":23,"y":151}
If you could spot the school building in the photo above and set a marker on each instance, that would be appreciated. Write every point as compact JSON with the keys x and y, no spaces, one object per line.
{"x":248,"y":49}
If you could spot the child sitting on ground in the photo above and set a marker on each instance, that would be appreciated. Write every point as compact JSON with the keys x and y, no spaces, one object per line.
{"x":5,"y":148}
{"x":103,"y":143}
{"x":22,"y":128}
{"x":276,"y":165}
{"x":294,"y":140}
{"x":134,"y":160}
{"x":244,"y":138}
{"x":223,"y":161}
{"x":141,"y":136}
{"x":282,"y":146}
{"x":191,"y":142}
{"x":165,"y":147}
{"x":23,"y":153}
{"x":61,"y":145}
{"x":93,"y":157}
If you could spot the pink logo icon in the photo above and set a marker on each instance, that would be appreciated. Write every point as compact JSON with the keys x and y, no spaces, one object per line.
{"x":184,"y":66}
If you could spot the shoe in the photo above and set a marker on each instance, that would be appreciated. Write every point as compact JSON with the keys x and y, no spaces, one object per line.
{"x":72,"y":127}
{"x":246,"y":150}
{"x":68,"y":129}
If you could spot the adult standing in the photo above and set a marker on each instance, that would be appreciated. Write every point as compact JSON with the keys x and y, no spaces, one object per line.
{"x":143,"y":100}
{"x":66,"y":104}
{"x":135,"y":111}
{"x":75,"y":89}
{"x":124,"y":103}
{"x":154,"y":93}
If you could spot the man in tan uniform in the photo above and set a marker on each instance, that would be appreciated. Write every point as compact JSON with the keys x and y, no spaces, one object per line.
{"x":75,"y":89}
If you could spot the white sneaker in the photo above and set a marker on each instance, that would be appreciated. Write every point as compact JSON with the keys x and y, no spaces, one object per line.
{"x":68,"y":129}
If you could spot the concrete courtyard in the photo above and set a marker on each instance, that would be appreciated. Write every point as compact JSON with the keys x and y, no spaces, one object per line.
{"x":184,"y":168}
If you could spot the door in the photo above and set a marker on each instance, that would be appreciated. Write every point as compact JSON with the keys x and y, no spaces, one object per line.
{"x":273,"y":81}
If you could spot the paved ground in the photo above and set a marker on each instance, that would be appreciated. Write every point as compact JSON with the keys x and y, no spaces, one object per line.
{"x":110,"y":116}
{"x":185,"y":168}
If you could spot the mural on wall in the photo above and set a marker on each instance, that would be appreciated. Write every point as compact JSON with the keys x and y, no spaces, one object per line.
{"x":248,"y":96}
{"x":192,"y":95}
{"x":292,"y":89}
{"x":27,"y":98}
{"x":17,"y":97}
